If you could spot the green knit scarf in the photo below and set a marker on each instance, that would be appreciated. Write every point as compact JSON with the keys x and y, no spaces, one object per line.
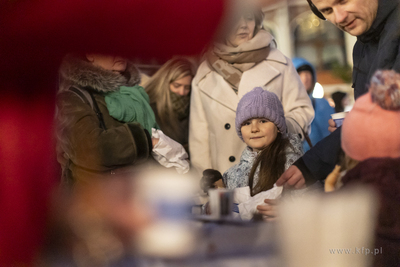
{"x":131,"y":104}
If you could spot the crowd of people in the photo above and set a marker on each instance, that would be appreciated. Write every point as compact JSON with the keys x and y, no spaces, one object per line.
{"x":243,"y":118}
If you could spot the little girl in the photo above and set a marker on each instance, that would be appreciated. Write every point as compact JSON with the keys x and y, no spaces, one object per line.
{"x":260,"y":123}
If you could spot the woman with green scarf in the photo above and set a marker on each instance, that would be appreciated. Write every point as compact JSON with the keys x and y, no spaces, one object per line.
{"x":94,"y":137}
{"x":244,"y":58}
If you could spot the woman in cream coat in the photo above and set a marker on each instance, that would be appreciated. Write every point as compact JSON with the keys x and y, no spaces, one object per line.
{"x":246,"y":58}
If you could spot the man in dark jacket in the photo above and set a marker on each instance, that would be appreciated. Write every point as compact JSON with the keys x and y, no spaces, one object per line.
{"x":376,"y":23}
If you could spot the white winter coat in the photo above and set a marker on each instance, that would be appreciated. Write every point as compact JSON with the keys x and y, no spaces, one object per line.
{"x":213,"y":142}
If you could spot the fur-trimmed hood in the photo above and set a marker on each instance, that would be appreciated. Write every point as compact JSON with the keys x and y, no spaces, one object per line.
{"x":79,"y":72}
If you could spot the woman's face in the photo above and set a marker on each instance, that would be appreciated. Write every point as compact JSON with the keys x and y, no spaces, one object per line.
{"x":242,"y":31}
{"x":181,"y":86}
{"x":108,"y":62}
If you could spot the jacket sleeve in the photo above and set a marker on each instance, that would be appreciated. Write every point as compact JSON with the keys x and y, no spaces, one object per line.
{"x":323,"y":113}
{"x":297,"y":105}
{"x":89,"y":146}
{"x":320,"y":160}
{"x":199,"y":145}
{"x":293,"y":152}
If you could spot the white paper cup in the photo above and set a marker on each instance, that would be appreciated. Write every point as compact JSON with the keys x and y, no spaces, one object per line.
{"x":338,"y":118}
{"x":221,"y":201}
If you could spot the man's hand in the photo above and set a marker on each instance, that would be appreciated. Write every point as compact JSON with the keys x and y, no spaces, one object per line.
{"x":268,"y":211}
{"x":292,"y":177}
{"x":332,"y":125}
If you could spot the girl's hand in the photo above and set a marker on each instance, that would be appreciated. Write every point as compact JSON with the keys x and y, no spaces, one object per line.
{"x":269,"y":210}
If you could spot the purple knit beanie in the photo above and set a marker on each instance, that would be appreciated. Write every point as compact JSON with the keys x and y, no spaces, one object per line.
{"x":259,"y":103}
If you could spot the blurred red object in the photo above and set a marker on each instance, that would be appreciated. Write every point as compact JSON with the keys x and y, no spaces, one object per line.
{"x":35,"y":35}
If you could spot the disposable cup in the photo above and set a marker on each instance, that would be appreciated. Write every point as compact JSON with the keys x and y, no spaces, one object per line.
{"x":338,"y":118}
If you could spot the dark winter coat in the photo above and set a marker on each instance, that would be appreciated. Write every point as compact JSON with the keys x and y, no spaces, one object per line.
{"x":84,"y":147}
{"x":181,"y":135}
{"x":378,"y":48}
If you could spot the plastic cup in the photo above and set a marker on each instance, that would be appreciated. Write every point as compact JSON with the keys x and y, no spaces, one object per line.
{"x":338,"y":118}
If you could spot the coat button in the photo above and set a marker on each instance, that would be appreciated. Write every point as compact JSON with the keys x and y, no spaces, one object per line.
{"x":232,"y":158}
{"x":227,"y":126}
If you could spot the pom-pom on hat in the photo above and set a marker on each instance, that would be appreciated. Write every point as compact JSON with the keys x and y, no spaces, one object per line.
{"x":372,"y":127}
{"x":259,"y":103}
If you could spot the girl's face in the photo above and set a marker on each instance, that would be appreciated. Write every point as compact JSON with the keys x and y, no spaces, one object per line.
{"x":258,"y":133}
{"x":108,"y":62}
{"x":242,"y":31}
{"x":181,"y":86}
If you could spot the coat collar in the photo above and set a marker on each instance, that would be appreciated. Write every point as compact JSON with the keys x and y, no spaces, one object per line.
{"x":76,"y":71}
{"x":248,"y":155}
{"x":260,"y":75}
{"x":385,"y":8}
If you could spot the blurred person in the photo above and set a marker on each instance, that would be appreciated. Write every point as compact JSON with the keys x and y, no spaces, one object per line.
{"x":35,"y":37}
{"x":169,"y":91}
{"x":322,"y":109}
{"x":90,"y":139}
{"x":374,"y":150}
{"x":244,"y":58}
{"x":340,"y":99}
{"x":375,"y":24}
{"x":96,"y":225}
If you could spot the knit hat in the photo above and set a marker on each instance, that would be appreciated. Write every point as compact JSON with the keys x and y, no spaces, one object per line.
{"x":259,"y":103}
{"x":372,"y":128}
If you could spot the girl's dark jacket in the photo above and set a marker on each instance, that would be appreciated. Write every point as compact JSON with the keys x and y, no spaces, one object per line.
{"x":84,"y":147}
{"x":378,"y":48}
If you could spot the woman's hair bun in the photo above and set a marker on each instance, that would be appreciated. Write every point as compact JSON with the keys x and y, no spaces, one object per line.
{"x":385,"y":89}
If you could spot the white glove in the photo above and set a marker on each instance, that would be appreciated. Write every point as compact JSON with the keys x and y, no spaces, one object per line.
{"x":248,"y":204}
{"x":169,"y":153}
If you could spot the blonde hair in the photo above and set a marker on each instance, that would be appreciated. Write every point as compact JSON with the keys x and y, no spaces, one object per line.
{"x":158,"y":86}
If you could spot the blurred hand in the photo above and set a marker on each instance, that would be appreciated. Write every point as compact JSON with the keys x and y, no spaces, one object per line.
{"x":209,"y":179}
{"x":332,"y":125}
{"x":219,"y":184}
{"x":154,"y":141}
{"x":331,"y":179}
{"x":292,"y":178}
{"x":269,"y":209}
